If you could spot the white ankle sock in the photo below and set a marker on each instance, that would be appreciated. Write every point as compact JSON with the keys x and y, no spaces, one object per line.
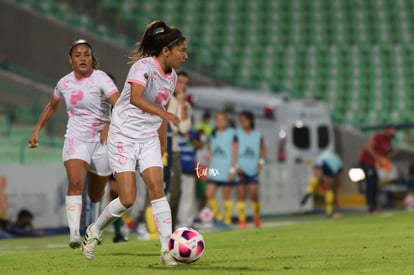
{"x":73,"y":213}
{"x":162,"y":217}
{"x":112,"y":211}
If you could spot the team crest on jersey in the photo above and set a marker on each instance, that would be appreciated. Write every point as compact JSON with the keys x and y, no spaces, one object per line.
{"x":66,"y":84}
{"x":249,"y":153}
{"x":219,"y":152}
{"x":146,"y":76}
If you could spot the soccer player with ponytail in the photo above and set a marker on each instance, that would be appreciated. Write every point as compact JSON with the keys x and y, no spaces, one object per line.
{"x":137,"y":135}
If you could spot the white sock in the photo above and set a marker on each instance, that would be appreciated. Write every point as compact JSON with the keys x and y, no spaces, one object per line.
{"x":73,"y":213}
{"x":112,"y":211}
{"x":161,"y":212}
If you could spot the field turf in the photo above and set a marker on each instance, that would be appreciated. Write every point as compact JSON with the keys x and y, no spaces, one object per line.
{"x":355,"y":244}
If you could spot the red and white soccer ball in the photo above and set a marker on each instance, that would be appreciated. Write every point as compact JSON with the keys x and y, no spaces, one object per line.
{"x":186,"y":245}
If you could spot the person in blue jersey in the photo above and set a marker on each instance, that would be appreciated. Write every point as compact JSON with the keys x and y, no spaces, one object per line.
{"x":222,"y":168}
{"x":187,"y":210}
{"x":250,"y":160}
{"x":326,"y":181}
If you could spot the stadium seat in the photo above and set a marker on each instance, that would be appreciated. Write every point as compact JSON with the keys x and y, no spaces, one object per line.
{"x":352,"y":54}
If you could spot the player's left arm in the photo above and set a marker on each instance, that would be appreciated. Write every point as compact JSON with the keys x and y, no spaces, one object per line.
{"x":162,"y":134}
{"x":234,"y":155}
{"x":104,"y":134}
{"x":263,"y":153}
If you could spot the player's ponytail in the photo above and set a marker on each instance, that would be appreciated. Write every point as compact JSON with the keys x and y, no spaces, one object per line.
{"x":156,"y":36}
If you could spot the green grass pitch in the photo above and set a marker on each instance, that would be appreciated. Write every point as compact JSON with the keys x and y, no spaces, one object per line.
{"x":355,"y":244}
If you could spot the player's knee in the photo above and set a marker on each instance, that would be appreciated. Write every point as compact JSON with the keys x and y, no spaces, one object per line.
{"x":127,"y":202}
{"x":156,"y":193}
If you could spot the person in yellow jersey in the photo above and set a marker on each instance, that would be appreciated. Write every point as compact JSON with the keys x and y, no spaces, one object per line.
{"x":325,"y":181}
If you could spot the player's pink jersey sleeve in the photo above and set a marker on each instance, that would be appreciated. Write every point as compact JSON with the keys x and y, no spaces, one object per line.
{"x":139,"y":73}
{"x":107,"y":85}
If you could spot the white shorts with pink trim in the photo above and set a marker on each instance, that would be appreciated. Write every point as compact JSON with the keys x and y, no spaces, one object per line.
{"x":94,"y":153}
{"x":130,"y":156}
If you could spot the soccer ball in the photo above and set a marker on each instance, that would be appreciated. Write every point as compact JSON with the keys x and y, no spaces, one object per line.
{"x":206,"y":216}
{"x":186,"y":245}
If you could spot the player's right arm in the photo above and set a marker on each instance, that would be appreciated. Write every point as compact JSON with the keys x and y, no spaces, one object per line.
{"x":139,"y":101}
{"x":370,"y":147}
{"x":47,"y":113}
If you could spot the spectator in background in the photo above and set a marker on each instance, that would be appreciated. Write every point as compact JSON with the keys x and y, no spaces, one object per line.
{"x":375,"y":152}
{"x":222,"y":169}
{"x":250,"y":160}
{"x":5,"y":226}
{"x":23,"y":227}
{"x":187,"y":209}
{"x":181,"y":108}
{"x":88,"y":94}
{"x":204,"y":125}
{"x":203,"y":131}
{"x":4,"y":199}
{"x":200,"y":142}
{"x":325,"y":181}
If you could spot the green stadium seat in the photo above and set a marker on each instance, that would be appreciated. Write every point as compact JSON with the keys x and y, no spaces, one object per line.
{"x":352,"y":54}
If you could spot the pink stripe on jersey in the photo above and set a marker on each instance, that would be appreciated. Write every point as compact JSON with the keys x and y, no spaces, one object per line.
{"x":112,"y":93}
{"x":136,"y":81}
{"x":160,"y":69}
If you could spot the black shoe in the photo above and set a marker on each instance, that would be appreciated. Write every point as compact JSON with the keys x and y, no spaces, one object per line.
{"x":118,"y":239}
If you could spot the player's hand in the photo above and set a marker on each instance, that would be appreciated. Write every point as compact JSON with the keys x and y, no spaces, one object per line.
{"x":104,"y":134}
{"x":171,"y":118}
{"x":33,"y":141}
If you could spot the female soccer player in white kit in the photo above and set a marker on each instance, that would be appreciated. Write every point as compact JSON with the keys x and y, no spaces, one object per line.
{"x":88,"y":94}
{"x":137,"y":135}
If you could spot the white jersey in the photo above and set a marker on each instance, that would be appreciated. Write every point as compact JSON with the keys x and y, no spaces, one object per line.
{"x":128,"y":121}
{"x":87,"y":104}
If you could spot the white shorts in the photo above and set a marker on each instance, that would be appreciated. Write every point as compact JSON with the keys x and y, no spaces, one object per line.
{"x":133,"y":156}
{"x":94,"y":153}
